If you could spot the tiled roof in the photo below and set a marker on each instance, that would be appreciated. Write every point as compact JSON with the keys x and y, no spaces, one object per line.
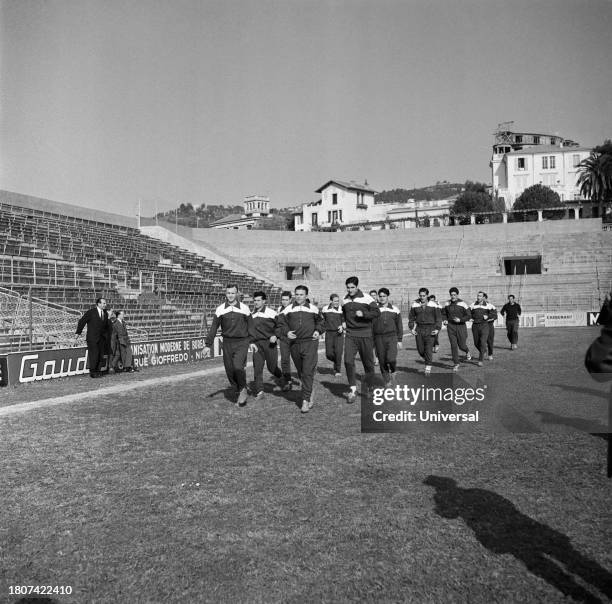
{"x":352,"y":185}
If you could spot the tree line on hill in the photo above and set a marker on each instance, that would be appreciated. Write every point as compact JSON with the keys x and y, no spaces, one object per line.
{"x":203,"y":216}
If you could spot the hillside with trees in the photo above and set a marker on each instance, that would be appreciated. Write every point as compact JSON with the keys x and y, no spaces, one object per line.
{"x":204,"y":215}
{"x":441,"y":190}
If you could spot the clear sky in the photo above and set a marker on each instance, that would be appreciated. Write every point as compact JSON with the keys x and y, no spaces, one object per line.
{"x":105,"y":102}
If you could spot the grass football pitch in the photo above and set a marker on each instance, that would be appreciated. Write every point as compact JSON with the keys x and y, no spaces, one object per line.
{"x":154,"y":487}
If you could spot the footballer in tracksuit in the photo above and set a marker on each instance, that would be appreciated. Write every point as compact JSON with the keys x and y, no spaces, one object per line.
{"x":334,"y":333}
{"x":234,"y":319}
{"x":283,"y":344}
{"x":425,"y":321}
{"x":455,"y":314}
{"x":358,"y":310}
{"x":301,"y":323}
{"x":480,"y":311}
{"x":388,"y":334}
{"x":264,"y":336}
{"x":436,"y":344}
{"x":512,"y":311}
{"x":491,"y":337}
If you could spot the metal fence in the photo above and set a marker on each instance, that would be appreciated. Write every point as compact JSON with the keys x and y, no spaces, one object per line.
{"x":29,"y":323}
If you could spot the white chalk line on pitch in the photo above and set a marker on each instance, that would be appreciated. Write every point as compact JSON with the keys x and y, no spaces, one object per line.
{"x":106,"y":390}
{"x":118,"y":388}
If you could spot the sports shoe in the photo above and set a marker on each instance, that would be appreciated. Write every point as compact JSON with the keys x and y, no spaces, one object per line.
{"x":287,"y":387}
{"x":242,"y":397}
{"x":393,"y":377}
{"x":436,"y":348}
{"x":306,"y":406}
{"x":468,"y":357}
{"x":376,"y":362}
{"x":427,"y":369}
{"x":479,"y":363}
{"x":351,"y":396}
{"x":490,"y":357}
{"x":455,"y":368}
{"x":260,"y":394}
{"x":337,"y":374}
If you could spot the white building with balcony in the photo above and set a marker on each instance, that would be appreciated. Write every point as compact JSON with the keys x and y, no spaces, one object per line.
{"x":521,"y":160}
{"x":341,"y":203}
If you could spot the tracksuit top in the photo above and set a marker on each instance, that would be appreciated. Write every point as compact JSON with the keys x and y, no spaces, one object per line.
{"x":235,"y":322}
{"x":279,"y":310}
{"x":425,"y":314}
{"x":458,"y":309}
{"x":480,"y":310}
{"x":511,"y":311}
{"x":264,"y":323}
{"x":389,"y":322}
{"x":332,"y":317}
{"x":304,"y":319}
{"x":359,"y":327}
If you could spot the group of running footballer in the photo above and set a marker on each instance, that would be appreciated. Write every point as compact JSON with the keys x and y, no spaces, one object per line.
{"x":359,"y":323}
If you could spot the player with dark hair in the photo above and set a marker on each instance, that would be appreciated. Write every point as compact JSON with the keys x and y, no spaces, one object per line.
{"x":512,"y":311}
{"x":388,"y":335}
{"x":283,"y":344}
{"x":359,"y":311}
{"x":301,"y":323}
{"x":491,"y":335}
{"x":480,"y":311}
{"x":265,"y":338}
{"x":425,"y":321}
{"x":455,"y":314}
{"x":234,"y":319}
{"x":334,"y":333}
{"x":374,"y":296}
{"x":436,"y":343}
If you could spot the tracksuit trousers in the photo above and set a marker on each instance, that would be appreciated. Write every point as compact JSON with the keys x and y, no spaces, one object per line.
{"x":285,"y":356}
{"x":365,"y":347}
{"x":480,"y":332}
{"x":490,"y":338}
{"x":512,"y":326}
{"x":334,"y":347}
{"x":235,"y":352}
{"x":457,"y":336}
{"x":386,"y":350}
{"x":425,"y":342}
{"x":305,"y":355}
{"x":267,"y":354}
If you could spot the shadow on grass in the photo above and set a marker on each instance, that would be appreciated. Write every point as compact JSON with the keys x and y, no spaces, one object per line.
{"x":584,"y":425}
{"x":338,"y":389}
{"x":503,"y":529}
{"x":229,"y":394}
{"x":325,"y":370}
{"x":590,"y":391}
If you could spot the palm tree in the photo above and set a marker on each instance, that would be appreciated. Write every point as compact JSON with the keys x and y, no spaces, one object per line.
{"x":595,"y":179}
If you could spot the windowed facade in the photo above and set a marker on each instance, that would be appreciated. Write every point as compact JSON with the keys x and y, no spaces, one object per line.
{"x":521,"y":163}
{"x":314,"y":219}
{"x":575,"y":160}
{"x":549,"y":162}
{"x":335,"y":198}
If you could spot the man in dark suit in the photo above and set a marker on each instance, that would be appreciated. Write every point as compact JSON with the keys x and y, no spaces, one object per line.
{"x":97,"y":322}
